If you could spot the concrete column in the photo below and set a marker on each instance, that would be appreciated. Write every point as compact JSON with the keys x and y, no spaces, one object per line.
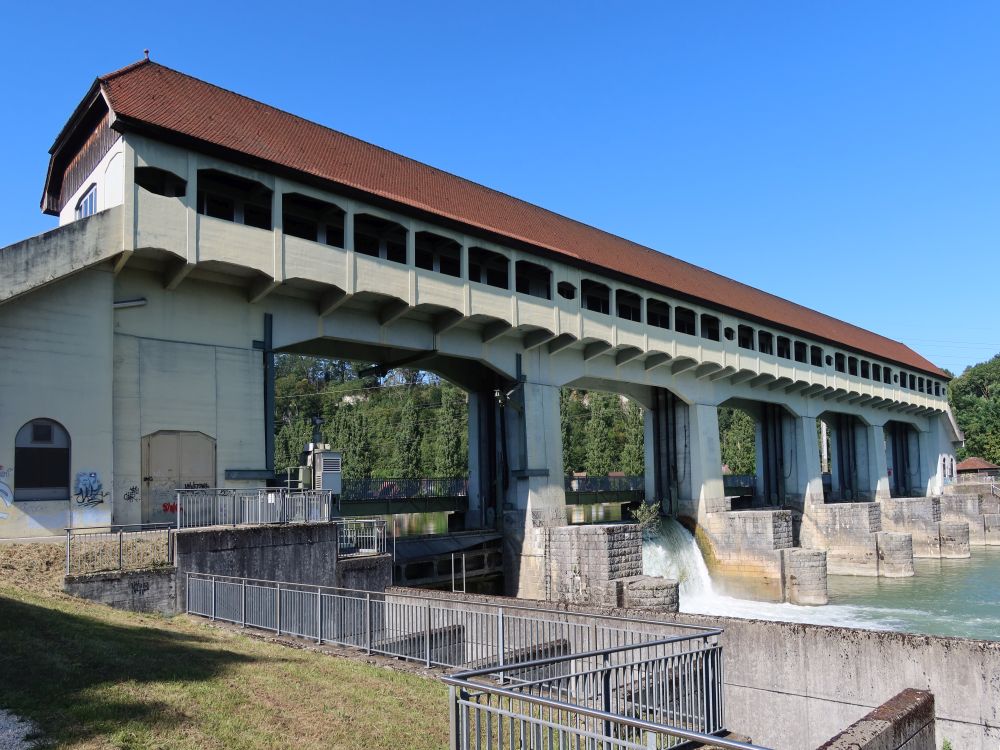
{"x":536,"y":498}
{"x":835,"y":479}
{"x":808,"y":474}
{"x":649,"y":455}
{"x":862,"y":468}
{"x":927,"y":479}
{"x":705,"y":470}
{"x":474,"y":515}
{"x":759,"y":459}
{"x":878,"y":466}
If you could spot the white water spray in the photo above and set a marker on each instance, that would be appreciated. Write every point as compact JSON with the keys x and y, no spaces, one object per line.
{"x":673,"y":553}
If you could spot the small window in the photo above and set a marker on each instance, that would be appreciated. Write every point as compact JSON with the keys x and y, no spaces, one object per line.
{"x":533,"y":279}
{"x":312,"y":219}
{"x":801,"y":351}
{"x":887,"y":375}
{"x":160,"y":182}
{"x":41,"y":432}
{"x":816,"y":356}
{"x":920,"y":384}
{"x":657,"y":313}
{"x":729,"y":333}
{"x":685,"y":321}
{"x":829,"y":360}
{"x":709,"y":327}
{"x":488,"y":267}
{"x":566,"y":290}
{"x":257,"y":216}
{"x":877,"y":373}
{"x":87,"y":205}
{"x":852,"y":365}
{"x":937,"y":389}
{"x":628,"y":305}
{"x":433,"y":252}
{"x":866,"y":369}
{"x":784,"y":347}
{"x":379,"y":238}
{"x":839,"y":362}
{"x":596,"y":296}
{"x":765,"y":342}
{"x":230,"y":197}
{"x":744,"y":337}
{"x":913,"y":383}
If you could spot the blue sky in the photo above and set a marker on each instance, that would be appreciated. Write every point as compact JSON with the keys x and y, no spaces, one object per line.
{"x":843,"y":155}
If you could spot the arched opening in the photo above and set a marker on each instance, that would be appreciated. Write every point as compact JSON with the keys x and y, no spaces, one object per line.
{"x":595,"y":296}
{"x":160,"y":182}
{"x":379,"y":238}
{"x":488,"y":267}
{"x":756,"y":446}
{"x":312,"y":219}
{"x":42,"y":460}
{"x":844,"y":458}
{"x":533,"y":279}
{"x":902,"y":455}
{"x":436,"y":253}
{"x":229,"y":197}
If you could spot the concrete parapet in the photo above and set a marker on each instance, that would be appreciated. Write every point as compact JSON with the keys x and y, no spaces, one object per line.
{"x":918,"y":516}
{"x":804,"y":576}
{"x":905,"y":722}
{"x":954,"y":539}
{"x":746,"y":547}
{"x":895,"y":554}
{"x":971,"y":508}
{"x":152,"y":590}
{"x":650,"y":592}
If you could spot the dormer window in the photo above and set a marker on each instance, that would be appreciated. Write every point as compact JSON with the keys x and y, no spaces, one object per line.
{"x":88,"y":203}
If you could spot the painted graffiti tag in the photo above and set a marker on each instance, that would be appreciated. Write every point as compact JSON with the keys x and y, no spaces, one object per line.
{"x":131,"y":494}
{"x":196,"y":486}
{"x":139,"y":587}
{"x":170,"y":507}
{"x":6,"y":499}
{"x":88,"y":491}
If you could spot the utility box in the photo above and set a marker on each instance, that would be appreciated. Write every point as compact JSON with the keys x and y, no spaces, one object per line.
{"x":326,"y":467}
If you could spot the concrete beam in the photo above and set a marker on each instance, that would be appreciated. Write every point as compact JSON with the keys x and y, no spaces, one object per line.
{"x":330,"y":301}
{"x":705,"y":369}
{"x":260,"y":288}
{"x":814,"y":390}
{"x":743,"y":376}
{"x":175,"y":273}
{"x":797,"y":386}
{"x":595,"y":349}
{"x":627,"y":355}
{"x":762,"y":379}
{"x":122,"y":260}
{"x":561,"y":342}
{"x":535,"y":339}
{"x":446,"y":321}
{"x":655,"y":360}
{"x":725,"y":372}
{"x":392,"y":311}
{"x":681,"y":364}
{"x":495,"y":330}
{"x":779,"y":383}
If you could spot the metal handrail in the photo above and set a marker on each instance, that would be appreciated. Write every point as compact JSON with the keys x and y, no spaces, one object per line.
{"x":98,"y":549}
{"x":685,"y":734}
{"x":701,"y":630}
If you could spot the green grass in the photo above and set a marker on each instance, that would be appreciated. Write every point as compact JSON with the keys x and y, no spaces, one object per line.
{"x":90,"y":676}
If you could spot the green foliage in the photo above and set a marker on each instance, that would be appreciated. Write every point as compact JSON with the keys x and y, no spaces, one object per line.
{"x":946,"y":745}
{"x":736,"y":433}
{"x":647,"y":517}
{"x":975,"y":401}
{"x":603,"y":446}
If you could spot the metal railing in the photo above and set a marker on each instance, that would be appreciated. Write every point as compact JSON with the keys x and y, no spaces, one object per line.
{"x":973,"y":478}
{"x":635,"y":697}
{"x":96,"y":549}
{"x":361,"y":536}
{"x":995,"y":490}
{"x":367,"y":488}
{"x":605,"y":484}
{"x":239,"y":507}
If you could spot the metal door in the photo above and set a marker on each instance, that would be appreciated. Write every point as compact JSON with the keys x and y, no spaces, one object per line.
{"x":172,"y":460}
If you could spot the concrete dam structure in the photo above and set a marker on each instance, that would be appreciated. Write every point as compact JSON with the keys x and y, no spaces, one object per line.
{"x":202,"y":233}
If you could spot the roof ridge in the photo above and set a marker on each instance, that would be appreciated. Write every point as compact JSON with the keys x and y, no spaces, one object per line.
{"x":126,"y":69}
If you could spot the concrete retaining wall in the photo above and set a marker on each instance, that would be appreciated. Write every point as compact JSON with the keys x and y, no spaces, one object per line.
{"x":153,"y":590}
{"x":921,"y":518}
{"x":847,"y":532}
{"x":895,"y":554}
{"x":804,"y":576}
{"x":971,"y":508}
{"x":906,"y":722}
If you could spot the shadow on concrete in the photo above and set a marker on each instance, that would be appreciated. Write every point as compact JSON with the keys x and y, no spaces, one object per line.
{"x":56,"y":668}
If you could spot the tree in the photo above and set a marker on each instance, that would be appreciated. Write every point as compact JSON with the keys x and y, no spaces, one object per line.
{"x":573,"y":418}
{"x":451,"y":434}
{"x":602,"y":453}
{"x":633,"y":451}
{"x":406,"y":453}
{"x":736,"y":436}
{"x":975,"y":400}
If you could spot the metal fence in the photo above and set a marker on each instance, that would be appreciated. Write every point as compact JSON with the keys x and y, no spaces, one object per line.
{"x":976,"y":478}
{"x":361,"y":536}
{"x":655,"y":695}
{"x":605,"y":484}
{"x":95,"y":549}
{"x":237,"y":507}
{"x":366,"y":488}
{"x":637,"y":670}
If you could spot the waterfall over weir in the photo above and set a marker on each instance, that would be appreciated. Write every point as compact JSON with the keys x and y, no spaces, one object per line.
{"x":673,"y":553}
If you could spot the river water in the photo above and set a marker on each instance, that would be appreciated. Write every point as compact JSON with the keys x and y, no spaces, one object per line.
{"x":944,"y":597}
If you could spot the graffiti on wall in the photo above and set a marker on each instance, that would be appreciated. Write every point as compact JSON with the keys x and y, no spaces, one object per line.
{"x":88,"y":491}
{"x":6,"y":493}
{"x":131,"y":494}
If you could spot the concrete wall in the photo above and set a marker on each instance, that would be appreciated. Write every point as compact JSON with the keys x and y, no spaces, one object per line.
{"x":290,"y":553}
{"x":905,"y":722}
{"x":921,"y":517}
{"x":135,"y":590}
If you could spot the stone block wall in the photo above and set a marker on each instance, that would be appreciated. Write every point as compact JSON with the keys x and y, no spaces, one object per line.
{"x":954,"y":539}
{"x":971,"y":508}
{"x":991,"y":528}
{"x":895,"y":554}
{"x":601,"y":565}
{"x":847,"y":532}
{"x":921,"y":518}
{"x":804,"y":576}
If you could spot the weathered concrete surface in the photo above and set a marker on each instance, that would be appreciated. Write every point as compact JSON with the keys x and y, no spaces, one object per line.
{"x":905,"y":722}
{"x":921,"y":517}
{"x":792,"y":686}
{"x":848,"y":532}
{"x":804,"y":576}
{"x":304,"y":553}
{"x":972,"y":508}
{"x":152,"y":590}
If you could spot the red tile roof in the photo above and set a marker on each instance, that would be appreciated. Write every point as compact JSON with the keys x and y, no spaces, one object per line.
{"x":151,"y":95}
{"x":975,"y":463}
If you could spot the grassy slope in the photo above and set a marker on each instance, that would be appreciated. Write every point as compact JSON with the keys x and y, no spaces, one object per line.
{"x":90,"y":677}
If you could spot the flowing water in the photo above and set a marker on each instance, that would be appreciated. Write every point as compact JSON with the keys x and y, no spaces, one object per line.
{"x":944,"y":597}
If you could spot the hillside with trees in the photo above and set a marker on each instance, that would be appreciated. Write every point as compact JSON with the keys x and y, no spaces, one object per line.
{"x":975,"y":400}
